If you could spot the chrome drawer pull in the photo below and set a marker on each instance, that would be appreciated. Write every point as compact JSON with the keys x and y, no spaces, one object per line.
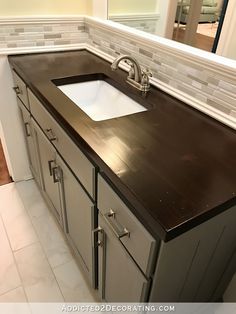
{"x":56,"y":174}
{"x":95,"y":241}
{"x":111,"y":213}
{"x":99,"y":241}
{"x":119,"y":230}
{"x":17,"y":90}
{"x":50,"y":162}
{"x":26,"y":129}
{"x":50,"y":135}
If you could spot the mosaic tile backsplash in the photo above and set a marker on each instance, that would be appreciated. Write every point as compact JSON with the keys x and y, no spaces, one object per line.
{"x":210,"y":87}
{"x":31,"y":35}
{"x":147,"y":24}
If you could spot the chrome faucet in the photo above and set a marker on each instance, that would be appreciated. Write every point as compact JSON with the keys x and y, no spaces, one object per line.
{"x":137,"y":77}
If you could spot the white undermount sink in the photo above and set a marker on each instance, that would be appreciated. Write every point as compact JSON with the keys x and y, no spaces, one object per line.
{"x":100,"y":100}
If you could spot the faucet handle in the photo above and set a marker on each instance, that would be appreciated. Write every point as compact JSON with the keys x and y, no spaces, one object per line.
{"x":131,"y":71}
{"x":146,"y":73}
{"x":145,"y":85}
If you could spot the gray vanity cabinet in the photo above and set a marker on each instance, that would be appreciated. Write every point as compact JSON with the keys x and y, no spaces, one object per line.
{"x":79,"y":218}
{"x":120,"y":279}
{"x":117,"y":252}
{"x":67,"y":183}
{"x":70,"y":203}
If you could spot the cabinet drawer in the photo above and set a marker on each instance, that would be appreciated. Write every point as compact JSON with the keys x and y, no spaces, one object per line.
{"x":20,"y":89}
{"x":77,"y":161}
{"x":140,"y":244}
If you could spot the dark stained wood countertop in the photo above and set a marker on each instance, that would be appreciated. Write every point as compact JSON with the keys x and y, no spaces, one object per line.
{"x":174,"y":166}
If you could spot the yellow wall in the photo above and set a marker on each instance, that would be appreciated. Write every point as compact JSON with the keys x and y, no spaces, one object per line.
{"x":45,"y":7}
{"x":131,"y":6}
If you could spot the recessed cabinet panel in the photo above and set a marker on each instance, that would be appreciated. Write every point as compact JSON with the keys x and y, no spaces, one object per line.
{"x":29,"y":136}
{"x":79,"y":212}
{"x":77,"y":161}
{"x":120,"y":280}
{"x":47,"y":156}
{"x":140,"y":244}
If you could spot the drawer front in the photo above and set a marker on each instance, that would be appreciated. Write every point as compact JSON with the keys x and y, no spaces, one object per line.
{"x":20,"y":89}
{"x":140,"y":244}
{"x":77,"y":161}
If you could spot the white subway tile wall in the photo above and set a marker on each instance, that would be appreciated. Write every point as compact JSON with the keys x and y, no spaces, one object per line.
{"x":211,"y":87}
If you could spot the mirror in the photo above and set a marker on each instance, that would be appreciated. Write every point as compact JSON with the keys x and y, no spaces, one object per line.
{"x":193,"y":22}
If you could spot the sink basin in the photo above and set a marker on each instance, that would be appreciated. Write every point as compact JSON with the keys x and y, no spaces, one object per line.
{"x":100,"y":100}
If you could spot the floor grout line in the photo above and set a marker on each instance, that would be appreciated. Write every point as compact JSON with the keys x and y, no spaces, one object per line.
{"x":70,"y":250}
{"x":10,"y":290}
{"x":41,"y":244}
{"x":5,"y":227}
{"x":15,"y":261}
{"x":25,"y":247}
{"x":71,"y":258}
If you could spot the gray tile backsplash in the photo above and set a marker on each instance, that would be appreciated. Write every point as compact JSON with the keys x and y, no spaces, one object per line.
{"x":218,"y":106}
{"x":48,"y":34}
{"x":146,"y":23}
{"x":211,"y":87}
{"x":215,"y":90}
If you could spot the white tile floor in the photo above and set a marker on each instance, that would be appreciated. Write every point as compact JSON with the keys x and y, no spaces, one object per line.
{"x":36,"y":264}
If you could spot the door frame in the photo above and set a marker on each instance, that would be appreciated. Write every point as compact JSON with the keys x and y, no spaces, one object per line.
{"x":220,"y":26}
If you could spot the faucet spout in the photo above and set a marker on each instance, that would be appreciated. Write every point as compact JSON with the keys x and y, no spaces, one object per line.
{"x":137,"y":78}
{"x":133,"y":63}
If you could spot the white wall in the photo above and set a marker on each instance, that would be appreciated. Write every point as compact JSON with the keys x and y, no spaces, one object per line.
{"x":167,"y":11}
{"x":227,"y":42}
{"x":11,"y":128}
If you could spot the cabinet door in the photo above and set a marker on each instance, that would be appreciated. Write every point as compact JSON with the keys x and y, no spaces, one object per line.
{"x":30,"y":142}
{"x":49,"y":170}
{"x":79,"y":212}
{"x":120,"y":280}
